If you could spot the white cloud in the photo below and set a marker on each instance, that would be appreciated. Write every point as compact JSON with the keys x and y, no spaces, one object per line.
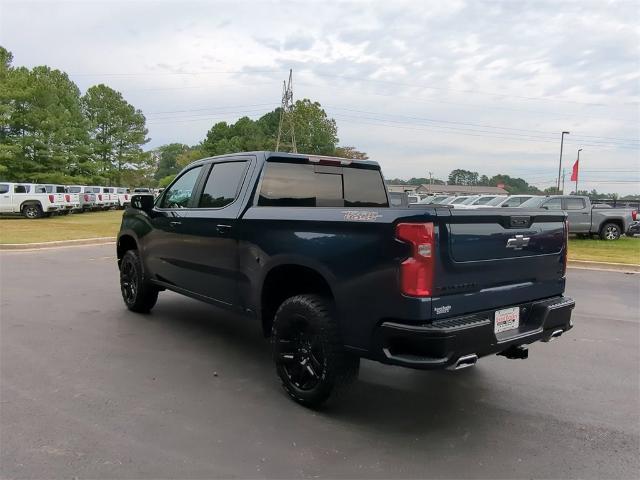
{"x":435,"y":78}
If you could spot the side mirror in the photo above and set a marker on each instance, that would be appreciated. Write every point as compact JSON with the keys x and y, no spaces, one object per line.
{"x":143,"y":202}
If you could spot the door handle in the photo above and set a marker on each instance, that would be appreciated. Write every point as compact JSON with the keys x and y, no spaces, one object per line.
{"x":175,"y":223}
{"x":223,"y":229}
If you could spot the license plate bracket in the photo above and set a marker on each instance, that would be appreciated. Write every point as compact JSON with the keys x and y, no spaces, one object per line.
{"x":506,"y":319}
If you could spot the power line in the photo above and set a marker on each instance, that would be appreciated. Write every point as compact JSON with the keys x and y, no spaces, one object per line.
{"x":549,"y":133}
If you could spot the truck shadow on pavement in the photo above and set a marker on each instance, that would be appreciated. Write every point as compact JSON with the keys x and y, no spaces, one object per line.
{"x":391,"y":398}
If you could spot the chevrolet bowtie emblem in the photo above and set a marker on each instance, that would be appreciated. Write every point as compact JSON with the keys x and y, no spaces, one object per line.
{"x":518,"y":242}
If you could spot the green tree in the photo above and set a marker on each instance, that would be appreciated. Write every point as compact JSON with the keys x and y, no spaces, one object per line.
{"x":315,"y":131}
{"x":165,"y":181}
{"x":191,"y":155}
{"x":117,"y":132}
{"x":350,"y":152}
{"x":43,"y":134}
{"x":167,"y":159}
{"x":463,"y":177}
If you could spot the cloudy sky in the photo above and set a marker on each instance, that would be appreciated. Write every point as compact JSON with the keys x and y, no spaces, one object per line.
{"x":420,"y":86}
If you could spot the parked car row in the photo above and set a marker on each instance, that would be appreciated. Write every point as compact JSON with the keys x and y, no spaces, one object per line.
{"x":584,"y":217}
{"x":33,"y":200}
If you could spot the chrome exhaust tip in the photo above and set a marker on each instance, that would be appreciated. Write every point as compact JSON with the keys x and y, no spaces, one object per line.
{"x":465,"y":361}
{"x":555,"y":334}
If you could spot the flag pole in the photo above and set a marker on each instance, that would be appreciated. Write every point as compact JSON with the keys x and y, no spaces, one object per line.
{"x":578,"y":171}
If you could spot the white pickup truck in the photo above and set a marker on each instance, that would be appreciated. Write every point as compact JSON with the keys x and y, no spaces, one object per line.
{"x":69,"y":201}
{"x":108,"y":196}
{"x":124,"y":197}
{"x":21,"y":198}
{"x":86,"y":196}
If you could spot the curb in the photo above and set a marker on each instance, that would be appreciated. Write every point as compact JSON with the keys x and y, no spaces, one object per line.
{"x":614,"y":267}
{"x":60,"y":243}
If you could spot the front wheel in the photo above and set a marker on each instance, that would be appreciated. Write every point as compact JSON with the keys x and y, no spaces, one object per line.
{"x":138,"y":293}
{"x":610,"y":231}
{"x":309,"y":356}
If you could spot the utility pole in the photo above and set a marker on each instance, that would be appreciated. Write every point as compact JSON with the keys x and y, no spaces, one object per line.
{"x":560,"y":164}
{"x":562,"y":191}
{"x":578,"y":170}
{"x":431,"y":182}
{"x":286,"y":127}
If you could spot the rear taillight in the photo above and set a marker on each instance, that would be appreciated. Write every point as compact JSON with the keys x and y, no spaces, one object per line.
{"x":86,"y":197}
{"x":100,"y":197}
{"x":416,"y":272}
{"x":126,"y":197}
{"x":52,"y":198}
{"x":634,"y":215}
{"x":67,"y":198}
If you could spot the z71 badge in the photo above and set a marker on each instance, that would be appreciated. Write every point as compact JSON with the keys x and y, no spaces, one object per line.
{"x":360,"y":215}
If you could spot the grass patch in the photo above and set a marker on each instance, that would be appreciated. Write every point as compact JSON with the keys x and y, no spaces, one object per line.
{"x":66,"y":227}
{"x":106,"y":224}
{"x":624,"y":250}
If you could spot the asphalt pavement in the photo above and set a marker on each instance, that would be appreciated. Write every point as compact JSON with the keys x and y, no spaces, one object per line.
{"x":89,"y":389}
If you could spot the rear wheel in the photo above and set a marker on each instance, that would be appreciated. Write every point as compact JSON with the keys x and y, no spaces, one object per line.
{"x":309,"y":356}
{"x":32,"y":211}
{"x":138,"y":293}
{"x":610,"y":231}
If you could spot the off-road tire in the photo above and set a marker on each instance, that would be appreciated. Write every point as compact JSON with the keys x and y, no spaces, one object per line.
{"x":311,"y":319}
{"x":138,"y":293}
{"x":32,"y":211}
{"x":610,"y":231}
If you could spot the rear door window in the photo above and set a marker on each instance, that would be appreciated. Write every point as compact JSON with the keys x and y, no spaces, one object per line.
{"x":4,"y":188}
{"x":223,"y":184}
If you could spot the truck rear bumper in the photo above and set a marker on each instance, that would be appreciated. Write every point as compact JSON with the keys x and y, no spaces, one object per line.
{"x":443,"y":343}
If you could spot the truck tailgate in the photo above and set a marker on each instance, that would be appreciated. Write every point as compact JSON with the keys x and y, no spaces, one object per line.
{"x":497,"y":257}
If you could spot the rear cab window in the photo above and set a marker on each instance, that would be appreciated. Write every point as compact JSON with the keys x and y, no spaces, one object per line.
{"x":286,"y":184}
{"x":574,"y":204}
{"x":553,"y":204}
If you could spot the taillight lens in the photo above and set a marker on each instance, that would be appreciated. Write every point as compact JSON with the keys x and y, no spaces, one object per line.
{"x":52,"y":198}
{"x":67,"y":198}
{"x":634,"y":215}
{"x":100,"y":197}
{"x":126,"y":197}
{"x":416,"y":272}
{"x":86,"y":197}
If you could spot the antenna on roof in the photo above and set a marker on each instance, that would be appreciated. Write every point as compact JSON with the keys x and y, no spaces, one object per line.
{"x":286,"y":127}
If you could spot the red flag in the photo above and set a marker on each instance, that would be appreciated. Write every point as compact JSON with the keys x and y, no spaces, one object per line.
{"x":574,"y":174}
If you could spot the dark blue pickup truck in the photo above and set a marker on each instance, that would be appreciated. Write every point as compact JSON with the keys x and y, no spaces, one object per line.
{"x":309,"y":247}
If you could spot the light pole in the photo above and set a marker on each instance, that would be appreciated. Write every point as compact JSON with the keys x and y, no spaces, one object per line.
{"x":560,"y":164}
{"x":578,"y":170}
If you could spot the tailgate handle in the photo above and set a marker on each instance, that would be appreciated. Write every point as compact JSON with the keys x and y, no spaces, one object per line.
{"x":521,"y":221}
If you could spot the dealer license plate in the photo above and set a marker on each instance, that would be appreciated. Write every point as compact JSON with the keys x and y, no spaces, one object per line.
{"x":507,"y":319}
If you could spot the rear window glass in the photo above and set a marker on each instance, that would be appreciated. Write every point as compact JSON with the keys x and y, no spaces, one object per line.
{"x":553,"y":204}
{"x":4,"y":188}
{"x":305,"y":185}
{"x":75,"y":189}
{"x":574,"y":203}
